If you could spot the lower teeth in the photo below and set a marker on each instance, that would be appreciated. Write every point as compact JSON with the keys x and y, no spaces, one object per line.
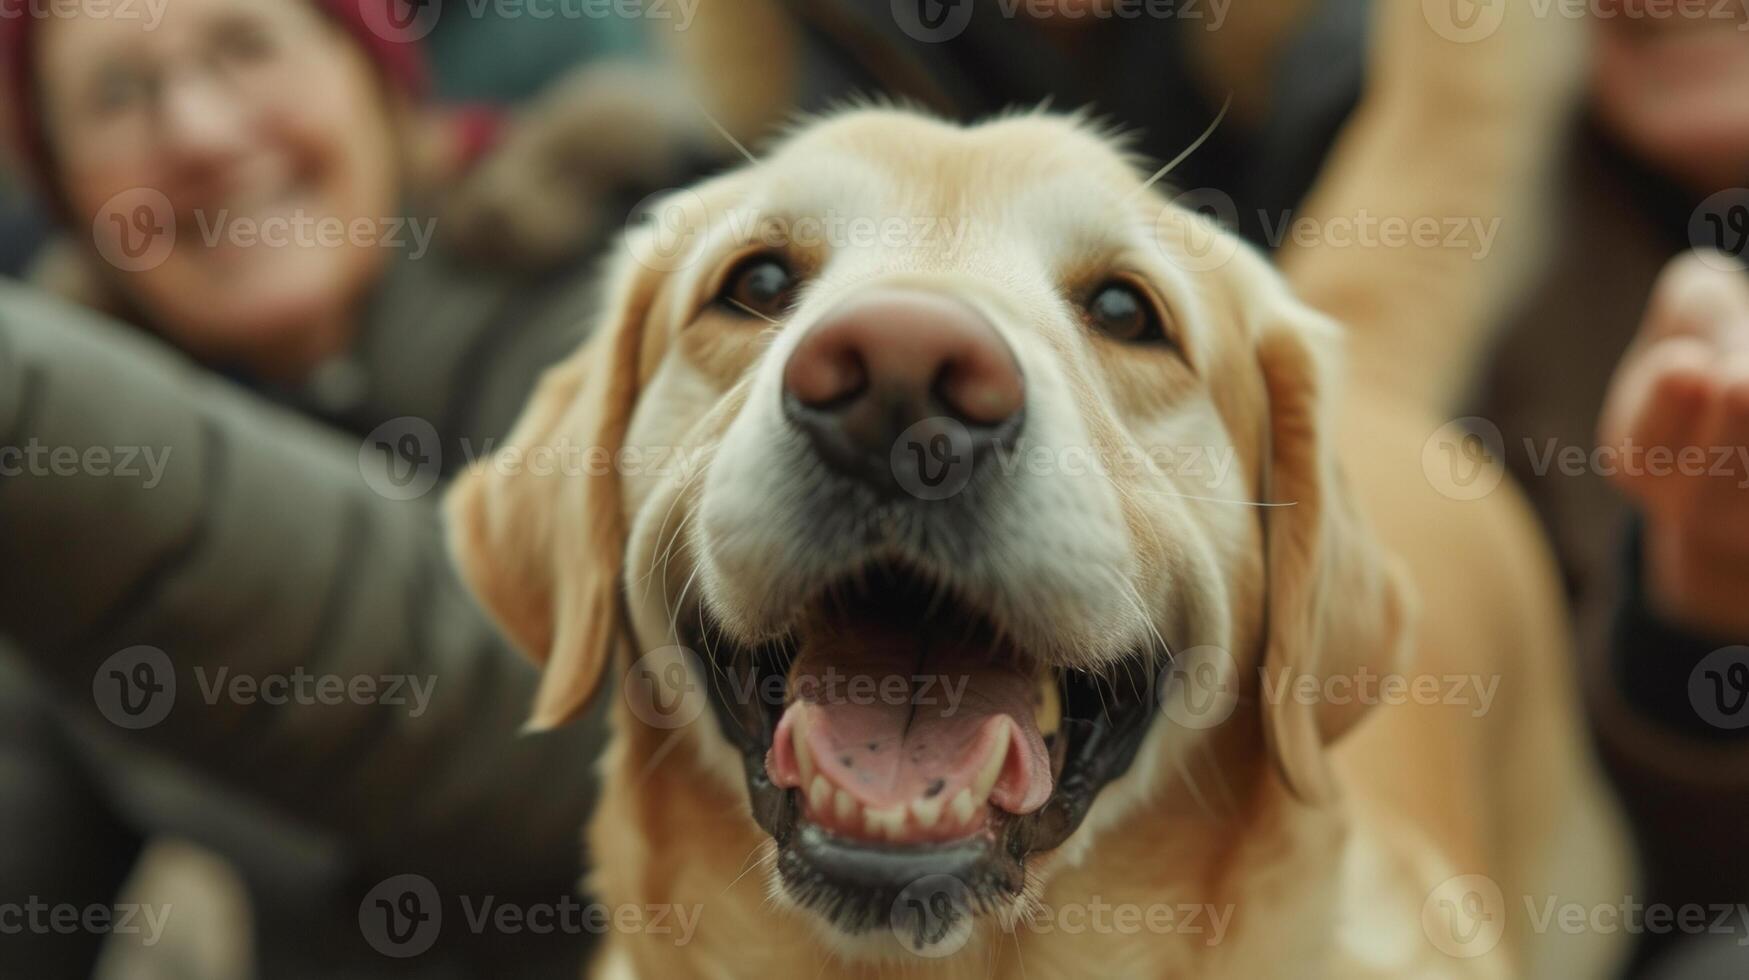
{"x":1048,"y":704}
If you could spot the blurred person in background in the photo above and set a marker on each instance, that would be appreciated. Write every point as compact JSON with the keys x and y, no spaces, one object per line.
{"x":271,"y":379}
{"x":1637,"y":342}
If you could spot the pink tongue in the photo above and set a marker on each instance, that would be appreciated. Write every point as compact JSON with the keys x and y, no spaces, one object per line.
{"x":895,"y":715}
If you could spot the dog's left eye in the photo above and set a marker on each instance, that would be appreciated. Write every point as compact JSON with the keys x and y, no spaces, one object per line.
{"x":1120,"y":311}
{"x":761,"y":285}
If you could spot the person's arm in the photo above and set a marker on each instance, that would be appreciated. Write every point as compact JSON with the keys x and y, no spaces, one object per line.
{"x":1670,"y":702}
{"x":146,"y":502}
{"x":1431,"y":204}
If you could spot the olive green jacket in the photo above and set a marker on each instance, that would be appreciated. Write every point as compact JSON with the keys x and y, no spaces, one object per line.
{"x":149,"y":501}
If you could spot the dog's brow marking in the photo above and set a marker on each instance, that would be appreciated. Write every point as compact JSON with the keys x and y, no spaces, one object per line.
{"x":726,"y":134}
{"x":1192,"y":148}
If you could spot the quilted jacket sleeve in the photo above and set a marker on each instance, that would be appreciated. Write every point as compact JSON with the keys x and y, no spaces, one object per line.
{"x":316,"y":649}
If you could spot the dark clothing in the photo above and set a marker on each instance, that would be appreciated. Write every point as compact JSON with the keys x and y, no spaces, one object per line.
{"x":1135,"y":73}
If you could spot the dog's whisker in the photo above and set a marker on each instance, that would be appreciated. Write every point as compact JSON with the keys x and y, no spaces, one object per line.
{"x":1192,"y":148}
{"x":671,"y":611}
{"x":680,"y":603}
{"x":1227,"y":796}
{"x":1128,"y":493}
{"x":721,"y":129}
{"x":673,"y":546}
{"x":744,"y":308}
{"x":1221,"y":500}
{"x":658,"y":756}
{"x":1130,"y":594}
{"x":755,"y":860}
{"x":718,"y":675}
{"x":1196,"y":793}
{"x":659,"y":569}
{"x":667,"y":553}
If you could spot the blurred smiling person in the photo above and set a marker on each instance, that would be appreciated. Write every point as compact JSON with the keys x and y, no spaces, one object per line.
{"x":300,"y":316}
{"x":225,"y":113}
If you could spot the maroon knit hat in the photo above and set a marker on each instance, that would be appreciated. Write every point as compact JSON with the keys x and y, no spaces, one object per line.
{"x":374,"y":24}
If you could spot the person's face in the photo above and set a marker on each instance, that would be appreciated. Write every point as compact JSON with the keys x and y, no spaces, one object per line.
{"x":1672,"y":81}
{"x":253,"y":119}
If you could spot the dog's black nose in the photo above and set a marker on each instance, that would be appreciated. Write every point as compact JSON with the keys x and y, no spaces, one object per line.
{"x":898,"y":366}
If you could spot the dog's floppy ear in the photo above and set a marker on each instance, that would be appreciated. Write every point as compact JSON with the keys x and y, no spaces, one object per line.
{"x":1338,"y":604}
{"x":538,"y":529}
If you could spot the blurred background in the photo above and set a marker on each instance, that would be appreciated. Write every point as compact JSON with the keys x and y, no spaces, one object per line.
{"x":271,"y":271}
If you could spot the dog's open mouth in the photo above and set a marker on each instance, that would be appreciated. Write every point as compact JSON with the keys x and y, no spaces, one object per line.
{"x":897,"y":735}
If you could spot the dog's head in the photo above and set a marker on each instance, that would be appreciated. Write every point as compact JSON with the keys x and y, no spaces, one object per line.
{"x":918,"y":452}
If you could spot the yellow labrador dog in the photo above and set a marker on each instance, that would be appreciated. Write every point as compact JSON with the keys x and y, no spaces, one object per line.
{"x":967,"y":529}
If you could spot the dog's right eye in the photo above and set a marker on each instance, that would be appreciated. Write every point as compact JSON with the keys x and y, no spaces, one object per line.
{"x":761,"y":285}
{"x":1120,"y":311}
